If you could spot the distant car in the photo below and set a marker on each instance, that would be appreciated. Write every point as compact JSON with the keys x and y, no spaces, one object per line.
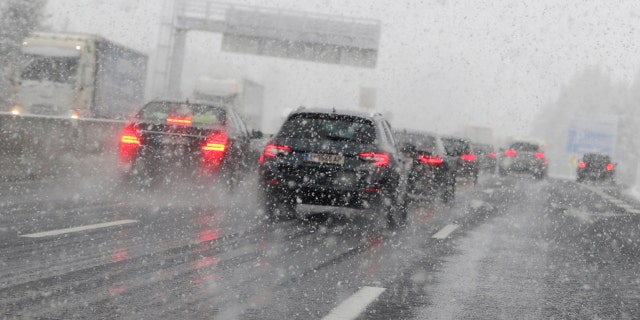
{"x":432,"y":171}
{"x":596,"y":167}
{"x":524,"y":157}
{"x":485,"y":156}
{"x":193,"y":139}
{"x":467,"y":166}
{"x":321,"y":160}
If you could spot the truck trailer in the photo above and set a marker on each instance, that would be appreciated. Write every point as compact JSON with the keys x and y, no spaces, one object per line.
{"x":246,"y":96}
{"x":77,"y":75}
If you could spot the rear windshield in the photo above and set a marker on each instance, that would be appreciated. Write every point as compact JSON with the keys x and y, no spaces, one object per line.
{"x":524,"y":146}
{"x":456,"y":147}
{"x":199,"y":114}
{"x":328,"y":127}
{"x":421,"y":142}
{"x":596,"y":158}
{"x":482,"y":148}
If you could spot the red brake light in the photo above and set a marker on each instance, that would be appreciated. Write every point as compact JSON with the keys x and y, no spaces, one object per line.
{"x":581,"y":165}
{"x":610,"y":167}
{"x":539,"y":155}
{"x":130,"y":135}
{"x":272,"y":150}
{"x":179,"y":121}
{"x":431,"y":160}
{"x":378,"y":159}
{"x":510,"y":153}
{"x":213,"y":150}
{"x":491,"y":154}
{"x":129,"y":144}
{"x":468,"y":157}
{"x":215,"y":142}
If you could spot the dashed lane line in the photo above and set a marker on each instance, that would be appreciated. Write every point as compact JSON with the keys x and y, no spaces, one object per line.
{"x":445,"y":232}
{"x":77,"y":229}
{"x":355,"y":304}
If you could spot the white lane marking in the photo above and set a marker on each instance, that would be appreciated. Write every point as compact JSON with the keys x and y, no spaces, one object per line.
{"x":355,"y":305}
{"x":76,"y":229}
{"x":617,"y":202}
{"x":445,"y":232}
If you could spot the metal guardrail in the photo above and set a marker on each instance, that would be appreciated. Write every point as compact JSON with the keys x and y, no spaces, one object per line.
{"x":33,"y":145}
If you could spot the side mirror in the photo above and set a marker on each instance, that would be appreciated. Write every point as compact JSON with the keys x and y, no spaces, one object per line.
{"x":256,"y":134}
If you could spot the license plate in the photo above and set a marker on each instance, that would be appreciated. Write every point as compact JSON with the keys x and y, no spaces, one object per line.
{"x":324,"y":158}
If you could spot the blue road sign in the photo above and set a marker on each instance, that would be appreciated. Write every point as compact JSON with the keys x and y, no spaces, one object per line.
{"x":588,"y":135}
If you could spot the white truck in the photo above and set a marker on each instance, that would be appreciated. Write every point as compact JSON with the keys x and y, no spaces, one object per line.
{"x":246,"y":96}
{"x":77,"y":75}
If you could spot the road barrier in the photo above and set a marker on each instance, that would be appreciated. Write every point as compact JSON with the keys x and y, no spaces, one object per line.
{"x":33,"y":146}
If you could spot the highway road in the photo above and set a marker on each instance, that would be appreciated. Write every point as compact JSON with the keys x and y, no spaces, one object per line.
{"x":507,"y":248}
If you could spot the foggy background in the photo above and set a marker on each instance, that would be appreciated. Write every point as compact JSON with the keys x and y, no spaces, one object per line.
{"x":442,"y":65}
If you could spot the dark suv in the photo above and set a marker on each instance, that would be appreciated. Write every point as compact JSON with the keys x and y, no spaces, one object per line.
{"x":201,"y":140}
{"x":524,"y":156}
{"x":467,"y":166}
{"x":323,"y":160}
{"x":596,"y":167}
{"x":432,"y":171}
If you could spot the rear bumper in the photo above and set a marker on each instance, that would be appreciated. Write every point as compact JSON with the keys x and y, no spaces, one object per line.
{"x":354,"y":198}
{"x":595,"y":175}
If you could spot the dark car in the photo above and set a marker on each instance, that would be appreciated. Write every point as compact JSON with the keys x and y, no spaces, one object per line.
{"x":485,"y":156}
{"x":467,"y":166}
{"x":596,"y":167}
{"x":321,"y":160}
{"x":196,"y":139}
{"x":524,"y":157}
{"x":432,"y":172}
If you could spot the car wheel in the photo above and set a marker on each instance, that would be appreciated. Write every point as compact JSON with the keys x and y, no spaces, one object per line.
{"x":540,"y":175}
{"x":396,"y":213}
{"x":448,"y":194}
{"x":276,"y":208}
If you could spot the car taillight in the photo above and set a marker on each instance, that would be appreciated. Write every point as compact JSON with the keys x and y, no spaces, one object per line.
{"x":378,"y":159}
{"x":272,"y":150}
{"x":470,"y":157}
{"x":510,"y":153}
{"x":491,"y":155}
{"x":213,"y":150}
{"x":539,"y":155}
{"x":610,"y":167}
{"x":581,"y":165}
{"x":181,"y":121}
{"x":130,"y":135}
{"x":431,"y":160}
{"x":129,"y":143}
{"x":216,"y":143}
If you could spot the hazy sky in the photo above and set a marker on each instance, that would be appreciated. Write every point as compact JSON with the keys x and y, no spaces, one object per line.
{"x":442,"y":64}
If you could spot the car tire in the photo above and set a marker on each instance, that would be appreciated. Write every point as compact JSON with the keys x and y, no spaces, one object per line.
{"x":277,"y":209}
{"x":449,"y":192}
{"x":396,"y":213}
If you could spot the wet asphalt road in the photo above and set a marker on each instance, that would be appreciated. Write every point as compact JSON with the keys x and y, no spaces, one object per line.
{"x":508,"y":248}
